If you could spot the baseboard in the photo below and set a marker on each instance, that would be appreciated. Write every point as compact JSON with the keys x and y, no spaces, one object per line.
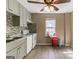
{"x":67,"y":44}
{"x":44,"y":44}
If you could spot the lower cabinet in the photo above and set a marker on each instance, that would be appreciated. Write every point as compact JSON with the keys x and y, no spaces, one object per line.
{"x":21,"y":51}
{"x":18,"y":52}
{"x":23,"y":47}
{"x":13,"y":53}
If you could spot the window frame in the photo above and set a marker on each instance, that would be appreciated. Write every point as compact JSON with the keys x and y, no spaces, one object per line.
{"x":50,"y":19}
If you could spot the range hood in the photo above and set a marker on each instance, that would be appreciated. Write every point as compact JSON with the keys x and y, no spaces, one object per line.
{"x":29,"y":21}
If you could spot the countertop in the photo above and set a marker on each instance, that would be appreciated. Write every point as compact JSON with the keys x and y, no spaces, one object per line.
{"x":17,"y":38}
{"x":13,"y":44}
{"x":16,"y":42}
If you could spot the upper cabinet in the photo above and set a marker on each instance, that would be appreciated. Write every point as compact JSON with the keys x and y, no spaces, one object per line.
{"x":13,"y":6}
{"x":25,"y":15}
{"x":23,"y":21}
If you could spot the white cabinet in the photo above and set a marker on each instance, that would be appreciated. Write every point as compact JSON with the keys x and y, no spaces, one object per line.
{"x":29,"y":43}
{"x":23,"y":17}
{"x":13,"y":6}
{"x":18,"y":52}
{"x":13,"y":53}
{"x":21,"y":51}
{"x":34,"y":40}
{"x":16,"y":8}
{"x":16,"y":48}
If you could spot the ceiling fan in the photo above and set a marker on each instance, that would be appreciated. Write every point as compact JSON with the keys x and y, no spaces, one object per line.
{"x":49,"y":3}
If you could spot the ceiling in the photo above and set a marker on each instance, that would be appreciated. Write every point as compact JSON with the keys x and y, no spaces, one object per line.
{"x":35,"y":8}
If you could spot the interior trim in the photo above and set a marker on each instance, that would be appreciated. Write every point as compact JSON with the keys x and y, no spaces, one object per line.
{"x":44,"y":44}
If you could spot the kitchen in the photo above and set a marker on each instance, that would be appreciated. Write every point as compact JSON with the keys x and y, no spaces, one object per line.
{"x":25,"y":31}
{"x":18,"y":36}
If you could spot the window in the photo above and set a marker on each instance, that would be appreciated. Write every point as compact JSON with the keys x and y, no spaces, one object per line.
{"x":50,"y":26}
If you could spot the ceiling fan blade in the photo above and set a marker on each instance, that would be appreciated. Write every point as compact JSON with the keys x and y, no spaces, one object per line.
{"x":43,"y":8}
{"x":56,"y":8}
{"x":47,"y":1}
{"x":36,"y":2}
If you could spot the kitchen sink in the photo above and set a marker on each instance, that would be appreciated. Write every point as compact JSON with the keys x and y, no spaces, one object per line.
{"x":9,"y":40}
{"x":12,"y":39}
{"x":17,"y":37}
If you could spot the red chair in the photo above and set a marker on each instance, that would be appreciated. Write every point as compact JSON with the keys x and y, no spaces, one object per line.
{"x":54,"y":40}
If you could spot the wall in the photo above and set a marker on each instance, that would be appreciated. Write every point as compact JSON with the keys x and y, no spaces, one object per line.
{"x":40,"y":20}
{"x":69,"y":29}
{"x":72,"y":30}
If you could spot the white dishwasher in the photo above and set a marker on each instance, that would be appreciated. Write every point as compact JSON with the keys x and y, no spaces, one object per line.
{"x":34,"y":40}
{"x":29,"y":43}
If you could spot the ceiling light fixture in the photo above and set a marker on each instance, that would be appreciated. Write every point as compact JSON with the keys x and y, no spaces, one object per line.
{"x":49,"y":9}
{"x":49,"y":4}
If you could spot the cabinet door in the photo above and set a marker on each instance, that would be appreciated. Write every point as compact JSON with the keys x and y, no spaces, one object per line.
{"x":16,"y":7}
{"x":23,"y":20}
{"x":11,"y":5}
{"x":21,"y":51}
{"x":12,"y":53}
{"x":21,"y":16}
{"x":29,"y":43}
{"x":25,"y":46}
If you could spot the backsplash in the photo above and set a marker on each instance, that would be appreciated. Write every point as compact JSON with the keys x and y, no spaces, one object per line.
{"x":10,"y":29}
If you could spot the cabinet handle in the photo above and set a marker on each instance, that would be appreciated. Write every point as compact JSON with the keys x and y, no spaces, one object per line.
{"x":19,"y":47}
{"x":10,"y":10}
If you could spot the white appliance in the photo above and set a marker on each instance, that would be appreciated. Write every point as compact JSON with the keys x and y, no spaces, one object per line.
{"x":25,"y":31}
{"x":29,"y":43}
{"x":34,"y":40}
